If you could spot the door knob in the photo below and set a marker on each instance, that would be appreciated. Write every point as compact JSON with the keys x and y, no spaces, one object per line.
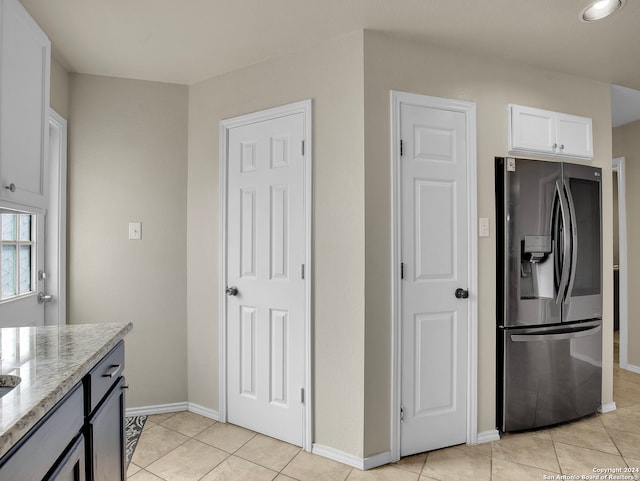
{"x":232,"y":291}
{"x":462,"y":293}
{"x":44,"y":298}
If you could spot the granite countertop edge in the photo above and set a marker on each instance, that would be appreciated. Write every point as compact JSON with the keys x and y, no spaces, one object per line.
{"x":11,"y":436}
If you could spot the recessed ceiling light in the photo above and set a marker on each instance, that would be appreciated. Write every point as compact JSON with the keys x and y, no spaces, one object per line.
{"x":600,"y":9}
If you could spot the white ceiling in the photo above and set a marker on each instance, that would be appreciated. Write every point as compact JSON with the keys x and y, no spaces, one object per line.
{"x":186,"y":41}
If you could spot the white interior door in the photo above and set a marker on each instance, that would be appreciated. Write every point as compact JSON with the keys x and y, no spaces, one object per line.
{"x":265,"y":277}
{"x":434,"y":252}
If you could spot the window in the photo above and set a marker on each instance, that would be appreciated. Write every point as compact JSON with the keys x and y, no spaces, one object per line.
{"x":17,"y":244}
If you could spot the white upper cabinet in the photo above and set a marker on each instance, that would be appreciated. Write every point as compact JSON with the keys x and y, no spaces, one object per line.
{"x":24,"y":107}
{"x":552,"y":133}
{"x":574,"y":136}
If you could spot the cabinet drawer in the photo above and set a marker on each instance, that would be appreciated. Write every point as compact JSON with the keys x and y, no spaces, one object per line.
{"x":104,"y":375}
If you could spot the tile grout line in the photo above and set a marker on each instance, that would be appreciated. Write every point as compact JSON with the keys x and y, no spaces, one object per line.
{"x":555,"y":451}
{"x":616,"y":445}
{"x":492,"y":460}
{"x":289,"y":462}
{"x":170,"y":451}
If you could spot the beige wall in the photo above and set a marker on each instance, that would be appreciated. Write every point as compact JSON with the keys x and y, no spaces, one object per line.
{"x":626,"y":143}
{"x":127,"y":162}
{"x":59,"y":99}
{"x":331,"y":75}
{"x":393,"y":64}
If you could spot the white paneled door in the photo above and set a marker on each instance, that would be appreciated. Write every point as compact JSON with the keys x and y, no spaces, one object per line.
{"x":434,"y":251}
{"x":265,"y":277}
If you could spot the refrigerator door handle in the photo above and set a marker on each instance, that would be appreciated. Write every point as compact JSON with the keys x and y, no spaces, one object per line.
{"x":566,"y":245}
{"x":574,"y":334}
{"x":555,"y":230}
{"x":574,"y":240}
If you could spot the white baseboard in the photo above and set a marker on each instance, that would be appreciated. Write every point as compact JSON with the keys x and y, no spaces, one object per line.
{"x":337,"y":455}
{"x":632,"y":368}
{"x":203,"y":411}
{"x":173,"y":408}
{"x":157,"y":409}
{"x":376,"y":460}
{"x":607,"y":408}
{"x":488,"y":436}
{"x":362,"y":464}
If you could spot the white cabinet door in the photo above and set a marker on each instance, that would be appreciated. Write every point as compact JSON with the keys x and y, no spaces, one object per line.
{"x":24,"y":107}
{"x":574,"y":136}
{"x":532,"y":130}
{"x":551,"y":133}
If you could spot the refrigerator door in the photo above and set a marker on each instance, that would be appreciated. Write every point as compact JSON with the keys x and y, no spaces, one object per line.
{"x":583,"y":298}
{"x":550,"y":374}
{"x":528,"y":254}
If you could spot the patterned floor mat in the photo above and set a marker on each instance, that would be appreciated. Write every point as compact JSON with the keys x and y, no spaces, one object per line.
{"x":133,"y":429}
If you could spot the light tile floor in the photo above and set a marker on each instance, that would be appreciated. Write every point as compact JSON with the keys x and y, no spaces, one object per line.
{"x":186,"y":447}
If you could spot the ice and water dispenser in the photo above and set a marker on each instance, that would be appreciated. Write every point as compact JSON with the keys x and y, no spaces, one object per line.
{"x":536,"y":267}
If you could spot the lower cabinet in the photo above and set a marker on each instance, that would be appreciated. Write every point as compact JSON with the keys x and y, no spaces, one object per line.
{"x":41,"y":450}
{"x":106,"y":437}
{"x":72,"y":466}
{"x":82,"y":438}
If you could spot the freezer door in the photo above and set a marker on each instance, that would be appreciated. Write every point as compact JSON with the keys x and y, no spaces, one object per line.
{"x":551,"y":374}
{"x":526,"y":201}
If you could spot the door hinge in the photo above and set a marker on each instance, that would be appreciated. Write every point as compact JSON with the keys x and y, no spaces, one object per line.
{"x":303,"y":147}
{"x":401,"y":148}
{"x":301,"y":395}
{"x":401,"y":414}
{"x":402,"y":270}
{"x":302,"y":271}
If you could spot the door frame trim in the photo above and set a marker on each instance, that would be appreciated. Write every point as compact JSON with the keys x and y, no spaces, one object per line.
{"x":304,"y":107}
{"x":469,"y":109}
{"x":619,"y":167}
{"x":58,"y":125}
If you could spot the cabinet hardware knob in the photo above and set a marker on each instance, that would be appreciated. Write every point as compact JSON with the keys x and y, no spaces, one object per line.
{"x":11,"y":187}
{"x":562,"y":147}
{"x":555,"y":146}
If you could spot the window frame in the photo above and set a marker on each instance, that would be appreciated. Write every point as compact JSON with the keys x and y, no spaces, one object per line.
{"x":18,"y":243}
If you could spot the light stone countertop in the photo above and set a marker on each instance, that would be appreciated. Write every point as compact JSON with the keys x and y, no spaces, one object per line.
{"x":50,"y":360}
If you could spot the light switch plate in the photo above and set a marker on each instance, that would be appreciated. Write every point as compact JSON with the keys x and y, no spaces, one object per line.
{"x":484,"y":227}
{"x":135,"y":230}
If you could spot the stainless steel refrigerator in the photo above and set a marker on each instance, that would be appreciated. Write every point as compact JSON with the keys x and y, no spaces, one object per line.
{"x":549,"y":292}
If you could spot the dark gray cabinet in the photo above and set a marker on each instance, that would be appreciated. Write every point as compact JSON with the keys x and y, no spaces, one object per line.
{"x":82,"y":438}
{"x":106,"y":437}
{"x":104,"y":399}
{"x":72,"y":466}
{"x":33,"y":457}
